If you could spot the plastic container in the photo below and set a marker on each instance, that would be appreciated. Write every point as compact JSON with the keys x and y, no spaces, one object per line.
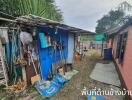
{"x":77,"y":57}
{"x":108,"y":54}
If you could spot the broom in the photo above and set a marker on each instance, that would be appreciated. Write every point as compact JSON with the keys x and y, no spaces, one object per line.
{"x":37,"y":76}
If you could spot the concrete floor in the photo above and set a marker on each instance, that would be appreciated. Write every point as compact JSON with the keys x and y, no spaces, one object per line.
{"x":106,"y":73}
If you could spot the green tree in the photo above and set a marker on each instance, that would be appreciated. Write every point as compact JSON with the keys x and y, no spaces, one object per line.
{"x":42,"y":8}
{"x":108,"y":21}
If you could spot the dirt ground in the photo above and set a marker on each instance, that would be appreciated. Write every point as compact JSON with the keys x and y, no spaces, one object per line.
{"x":72,"y":89}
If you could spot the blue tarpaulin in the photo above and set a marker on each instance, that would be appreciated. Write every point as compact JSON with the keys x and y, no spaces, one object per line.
{"x":46,"y":55}
{"x":54,"y":86}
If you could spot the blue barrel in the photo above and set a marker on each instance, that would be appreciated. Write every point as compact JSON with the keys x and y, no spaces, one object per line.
{"x":108,"y":54}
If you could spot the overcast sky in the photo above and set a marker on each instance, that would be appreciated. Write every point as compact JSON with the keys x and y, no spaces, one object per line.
{"x":84,"y":13}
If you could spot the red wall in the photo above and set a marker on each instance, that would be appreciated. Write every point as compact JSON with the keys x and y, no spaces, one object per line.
{"x":127,"y":64}
{"x":126,"y":67}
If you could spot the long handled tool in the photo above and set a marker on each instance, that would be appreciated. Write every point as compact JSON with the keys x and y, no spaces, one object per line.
{"x":61,"y":62}
{"x":54,"y":65}
{"x":64,"y":54}
{"x":51,"y":70}
{"x":37,"y":76}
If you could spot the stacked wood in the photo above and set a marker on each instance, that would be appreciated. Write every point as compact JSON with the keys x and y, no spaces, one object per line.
{"x":19,"y":87}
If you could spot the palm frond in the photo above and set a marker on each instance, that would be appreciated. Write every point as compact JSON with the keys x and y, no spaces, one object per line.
{"x":42,"y":8}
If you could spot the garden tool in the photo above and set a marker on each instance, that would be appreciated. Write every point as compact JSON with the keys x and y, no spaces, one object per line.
{"x":61,"y":62}
{"x":64,"y":54}
{"x":37,"y":76}
{"x":54,"y":66}
{"x":36,"y":49}
{"x":51,"y":73}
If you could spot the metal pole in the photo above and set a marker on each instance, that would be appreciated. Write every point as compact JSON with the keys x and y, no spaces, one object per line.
{"x":102,"y":49}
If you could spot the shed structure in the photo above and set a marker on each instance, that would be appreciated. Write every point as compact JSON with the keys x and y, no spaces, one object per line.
{"x":61,"y":33}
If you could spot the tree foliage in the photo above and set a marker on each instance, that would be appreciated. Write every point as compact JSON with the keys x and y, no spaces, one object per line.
{"x":42,"y":8}
{"x":109,"y":20}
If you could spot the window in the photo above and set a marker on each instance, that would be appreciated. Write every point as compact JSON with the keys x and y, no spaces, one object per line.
{"x":121,"y":47}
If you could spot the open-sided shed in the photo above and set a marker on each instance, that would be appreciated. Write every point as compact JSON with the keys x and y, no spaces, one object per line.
{"x":46,"y":34}
{"x":59,"y":32}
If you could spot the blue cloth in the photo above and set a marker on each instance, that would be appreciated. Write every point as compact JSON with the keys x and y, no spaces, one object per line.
{"x":43,"y":41}
{"x":8,"y":54}
{"x":46,"y":55}
{"x":45,"y":62}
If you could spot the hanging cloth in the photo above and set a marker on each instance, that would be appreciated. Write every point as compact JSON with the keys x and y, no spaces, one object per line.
{"x":42,"y":39}
{"x":44,"y":56}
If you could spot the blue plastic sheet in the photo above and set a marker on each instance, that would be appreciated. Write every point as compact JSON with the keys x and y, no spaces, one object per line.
{"x":54,"y":87}
{"x":46,"y":55}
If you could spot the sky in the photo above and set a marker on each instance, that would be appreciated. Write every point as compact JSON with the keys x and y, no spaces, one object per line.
{"x":85,"y":13}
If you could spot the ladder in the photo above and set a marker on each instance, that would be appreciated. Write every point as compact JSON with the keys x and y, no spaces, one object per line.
{"x":3,"y":71}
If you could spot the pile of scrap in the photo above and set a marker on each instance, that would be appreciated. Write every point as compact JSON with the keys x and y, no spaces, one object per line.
{"x":16,"y":51}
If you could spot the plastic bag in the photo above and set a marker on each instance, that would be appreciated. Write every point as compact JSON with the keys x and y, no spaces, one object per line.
{"x":26,"y":37}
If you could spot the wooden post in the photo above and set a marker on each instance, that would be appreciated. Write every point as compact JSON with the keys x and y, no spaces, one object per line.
{"x":23,"y":68}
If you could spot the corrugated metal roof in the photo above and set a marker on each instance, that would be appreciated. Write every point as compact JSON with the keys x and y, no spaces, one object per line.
{"x":35,"y":20}
{"x":120,"y":27}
